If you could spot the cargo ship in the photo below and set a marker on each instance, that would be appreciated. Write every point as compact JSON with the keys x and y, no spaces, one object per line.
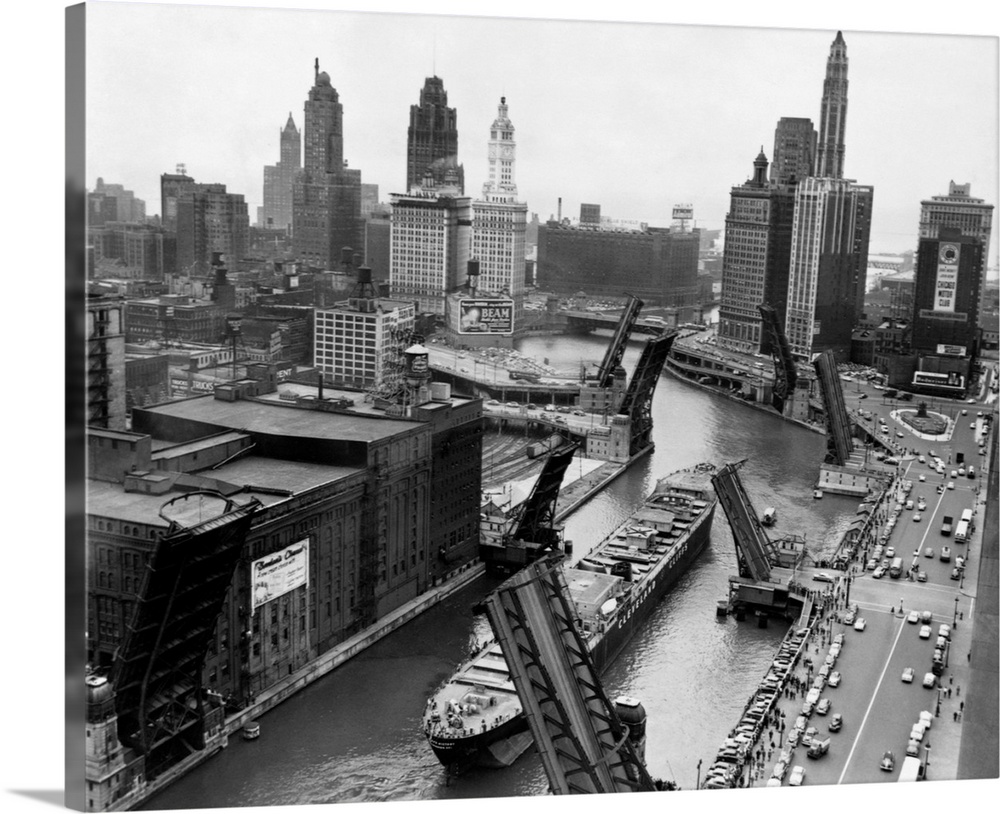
{"x":475,"y":717}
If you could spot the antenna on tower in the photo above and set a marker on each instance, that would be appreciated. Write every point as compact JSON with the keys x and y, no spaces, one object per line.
{"x":182,"y":169}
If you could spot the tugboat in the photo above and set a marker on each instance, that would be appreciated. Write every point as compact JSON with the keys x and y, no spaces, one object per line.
{"x":475,"y":718}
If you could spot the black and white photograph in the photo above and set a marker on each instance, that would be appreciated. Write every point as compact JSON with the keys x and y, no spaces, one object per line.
{"x":488,"y":405}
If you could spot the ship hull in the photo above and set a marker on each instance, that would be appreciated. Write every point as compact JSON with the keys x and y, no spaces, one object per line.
{"x":500,"y":746}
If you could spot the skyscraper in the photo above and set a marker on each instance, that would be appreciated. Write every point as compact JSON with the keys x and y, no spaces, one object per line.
{"x":794,"y":150}
{"x":499,"y":219}
{"x":279,"y":179}
{"x":432,"y":139}
{"x":209,"y":219}
{"x":958,"y":210}
{"x":326,"y":196}
{"x":429,"y":246}
{"x":946,"y":298}
{"x":829,"y":255}
{"x":833,"y":113}
{"x":755,"y":259}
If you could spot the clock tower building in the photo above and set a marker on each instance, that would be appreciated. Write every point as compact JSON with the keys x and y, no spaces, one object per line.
{"x":499,"y":220}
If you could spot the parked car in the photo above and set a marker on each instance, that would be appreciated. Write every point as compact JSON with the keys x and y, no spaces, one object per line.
{"x":798,"y":776}
{"x":930,"y":680}
{"x":888,"y":762}
{"x":908,"y":675}
{"x":913,"y":617}
{"x":836,"y":722}
{"x":921,"y":576}
{"x":926,"y":617}
{"x":925,"y":632}
{"x":823,"y":707}
{"x":834,"y":679}
{"x":946,"y":554}
{"x":860,"y":624}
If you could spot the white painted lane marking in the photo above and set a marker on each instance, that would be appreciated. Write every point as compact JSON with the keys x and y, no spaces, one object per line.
{"x":871,"y":703}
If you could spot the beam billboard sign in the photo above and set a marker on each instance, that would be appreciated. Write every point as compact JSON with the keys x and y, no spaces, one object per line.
{"x":486,"y":316}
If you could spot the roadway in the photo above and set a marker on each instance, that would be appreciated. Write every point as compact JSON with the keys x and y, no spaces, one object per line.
{"x":878,"y":707}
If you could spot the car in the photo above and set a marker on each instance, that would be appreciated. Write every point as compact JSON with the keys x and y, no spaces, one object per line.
{"x":890,"y":552}
{"x":862,"y":396}
{"x":860,"y":623}
{"x":917,"y":733}
{"x":960,"y":562}
{"x":531,"y":406}
{"x":834,"y":679}
{"x":888,"y":762}
{"x":972,"y":426}
{"x":944,"y":631}
{"x":836,"y":722}
{"x":925,"y":632}
{"x":822,"y":576}
{"x":913,"y":748}
{"x":921,"y":505}
{"x":951,"y":484}
{"x":922,"y":459}
{"x":945,"y":554}
{"x":579,"y":413}
{"x":913,"y":617}
{"x":930,"y":680}
{"x":823,"y":707}
{"x":840,"y":638}
{"x":493,"y":403}
{"x":921,"y":576}
{"x":926,"y":617}
{"x":513,"y":404}
{"x":808,"y":735}
{"x":899,"y":434}
{"x":879,"y":572}
{"x":798,"y":776}
{"x":923,"y":478}
{"x":927,"y":719}
{"x":779,"y":771}
{"x":956,"y":573}
{"x":971,"y":401}
{"x":961,"y":471}
{"x":965,"y":412}
{"x":907,"y":676}
{"x":916,"y":517}
{"x":793,"y":737}
{"x":929,"y":553}
{"x":849,"y":617}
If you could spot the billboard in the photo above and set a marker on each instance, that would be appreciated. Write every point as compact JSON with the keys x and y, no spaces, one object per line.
{"x":493,"y":316}
{"x":278,"y":573}
{"x":947,"y":278}
{"x":683,"y":212}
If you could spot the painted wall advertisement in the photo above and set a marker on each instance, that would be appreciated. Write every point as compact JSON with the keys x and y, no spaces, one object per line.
{"x":947,"y":278}
{"x":485,"y":316}
{"x":278,"y":573}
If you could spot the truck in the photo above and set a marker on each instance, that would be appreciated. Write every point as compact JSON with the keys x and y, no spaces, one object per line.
{"x":819,"y":748}
{"x":912,"y":769}
{"x":946,"y":524}
{"x":540,"y":448}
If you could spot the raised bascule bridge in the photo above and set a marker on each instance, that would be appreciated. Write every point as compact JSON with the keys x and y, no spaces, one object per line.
{"x":771,"y":572}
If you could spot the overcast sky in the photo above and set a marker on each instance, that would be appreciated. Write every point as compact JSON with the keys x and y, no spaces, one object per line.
{"x":634,"y":117}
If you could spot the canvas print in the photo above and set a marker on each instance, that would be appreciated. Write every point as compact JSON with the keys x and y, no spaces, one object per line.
{"x":501,"y":408}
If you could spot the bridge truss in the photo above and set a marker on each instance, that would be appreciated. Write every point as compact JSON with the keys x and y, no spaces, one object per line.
{"x":839,"y":443}
{"x":637,"y":403}
{"x":583,"y":744}
{"x":616,"y":350}
{"x":785,"y":373}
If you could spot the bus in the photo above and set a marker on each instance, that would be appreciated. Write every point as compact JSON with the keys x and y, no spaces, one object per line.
{"x":896,"y":569}
{"x":962,"y":530}
{"x":912,"y":769}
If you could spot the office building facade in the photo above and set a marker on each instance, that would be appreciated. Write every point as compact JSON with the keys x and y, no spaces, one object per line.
{"x":326,"y":196}
{"x":794,"y":150}
{"x":432,"y":140}
{"x":755,"y":260}
{"x":831,"y":229}
{"x":430,"y":244}
{"x":279,"y":179}
{"x":210,"y":219}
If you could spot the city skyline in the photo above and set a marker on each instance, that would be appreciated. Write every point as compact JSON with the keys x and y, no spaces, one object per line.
{"x":591,"y":128}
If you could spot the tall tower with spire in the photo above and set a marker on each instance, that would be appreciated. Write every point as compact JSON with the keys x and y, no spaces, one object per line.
{"x":502,"y":155}
{"x":326,"y":196}
{"x":499,"y":220}
{"x":432,"y":140}
{"x":280,"y":178}
{"x":833,"y":113}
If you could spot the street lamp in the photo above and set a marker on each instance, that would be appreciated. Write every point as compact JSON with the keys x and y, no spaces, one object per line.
{"x":927,"y":757}
{"x":954,"y":621}
{"x":697,"y":785}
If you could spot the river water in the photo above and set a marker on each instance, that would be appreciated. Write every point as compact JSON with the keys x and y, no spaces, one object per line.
{"x":355,"y":735}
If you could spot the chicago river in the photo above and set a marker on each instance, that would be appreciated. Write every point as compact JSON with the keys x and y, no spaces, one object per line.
{"x":355,"y":735}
